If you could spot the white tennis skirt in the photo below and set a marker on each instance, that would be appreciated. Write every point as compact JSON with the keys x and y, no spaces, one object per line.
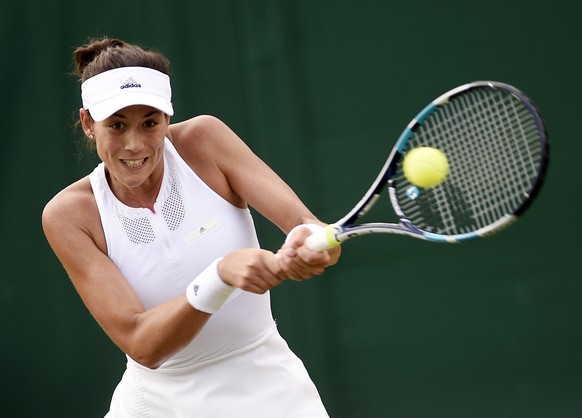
{"x":265,"y":380}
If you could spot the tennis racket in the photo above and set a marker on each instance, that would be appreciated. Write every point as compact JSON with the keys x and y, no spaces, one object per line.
{"x":496,"y":145}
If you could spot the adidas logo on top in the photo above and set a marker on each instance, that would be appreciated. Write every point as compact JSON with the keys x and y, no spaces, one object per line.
{"x":130,"y":83}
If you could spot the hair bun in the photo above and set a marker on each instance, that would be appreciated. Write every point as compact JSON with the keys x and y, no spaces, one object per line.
{"x":85,"y":54}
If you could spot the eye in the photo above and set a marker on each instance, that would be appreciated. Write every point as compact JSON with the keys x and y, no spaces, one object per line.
{"x":116,"y":125}
{"x":150,"y":124}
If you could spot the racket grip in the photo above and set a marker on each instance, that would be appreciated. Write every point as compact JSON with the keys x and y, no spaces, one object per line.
{"x":323,"y":239}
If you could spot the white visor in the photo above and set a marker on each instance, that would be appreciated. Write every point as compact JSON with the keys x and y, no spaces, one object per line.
{"x":106,"y":93}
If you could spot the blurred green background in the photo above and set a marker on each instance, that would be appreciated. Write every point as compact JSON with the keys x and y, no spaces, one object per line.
{"x":320,"y":90}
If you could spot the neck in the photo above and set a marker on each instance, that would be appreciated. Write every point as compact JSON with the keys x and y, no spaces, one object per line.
{"x":143,"y":196}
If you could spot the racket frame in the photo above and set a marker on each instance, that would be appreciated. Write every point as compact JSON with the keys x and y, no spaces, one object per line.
{"x":346,"y":227}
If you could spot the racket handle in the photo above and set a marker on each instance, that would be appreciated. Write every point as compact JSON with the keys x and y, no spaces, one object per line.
{"x":323,"y":239}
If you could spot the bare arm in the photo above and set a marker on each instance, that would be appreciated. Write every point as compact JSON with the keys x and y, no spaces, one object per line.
{"x":72,"y":226}
{"x":229,"y":167}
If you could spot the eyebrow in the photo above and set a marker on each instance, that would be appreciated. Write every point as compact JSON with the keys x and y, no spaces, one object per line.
{"x":149,"y":114}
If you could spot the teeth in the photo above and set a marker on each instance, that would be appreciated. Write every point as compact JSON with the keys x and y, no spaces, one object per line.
{"x":133,"y":163}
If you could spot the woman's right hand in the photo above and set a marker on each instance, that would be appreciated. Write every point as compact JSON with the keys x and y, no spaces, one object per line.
{"x":252,"y":269}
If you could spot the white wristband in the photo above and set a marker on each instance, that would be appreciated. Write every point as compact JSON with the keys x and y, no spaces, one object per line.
{"x":207,"y":292}
{"x":312,"y":227}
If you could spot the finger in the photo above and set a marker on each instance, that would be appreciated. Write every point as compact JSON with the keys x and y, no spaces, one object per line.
{"x":294,"y":245}
{"x":276,"y":267}
{"x":313,"y":258}
{"x":254,"y":288}
{"x":260,"y":283}
{"x":297,"y":237}
{"x":296,"y":269}
{"x":270,"y":273}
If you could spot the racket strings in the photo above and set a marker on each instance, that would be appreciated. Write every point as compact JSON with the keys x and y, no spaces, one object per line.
{"x":493,"y":159}
{"x":492,"y":142}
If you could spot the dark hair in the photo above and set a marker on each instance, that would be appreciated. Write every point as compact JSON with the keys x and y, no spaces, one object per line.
{"x":100,"y":55}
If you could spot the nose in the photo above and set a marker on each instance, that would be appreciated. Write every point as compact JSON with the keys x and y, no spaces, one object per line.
{"x":133,"y":142}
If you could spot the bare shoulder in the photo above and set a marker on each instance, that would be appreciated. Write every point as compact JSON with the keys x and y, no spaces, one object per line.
{"x":72,"y":210}
{"x":75,"y":198}
{"x":197,"y":125}
{"x":213,"y":151}
{"x":201,"y":138}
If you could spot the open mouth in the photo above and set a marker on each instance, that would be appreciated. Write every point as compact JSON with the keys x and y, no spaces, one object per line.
{"x":134,"y":163}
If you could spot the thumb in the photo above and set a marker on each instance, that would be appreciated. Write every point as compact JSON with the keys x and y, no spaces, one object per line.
{"x":297,"y":235}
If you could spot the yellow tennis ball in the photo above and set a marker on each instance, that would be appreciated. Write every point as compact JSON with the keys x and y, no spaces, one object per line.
{"x":425,"y":166}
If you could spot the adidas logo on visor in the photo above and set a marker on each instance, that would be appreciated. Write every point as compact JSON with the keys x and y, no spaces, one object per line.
{"x":130,"y":83}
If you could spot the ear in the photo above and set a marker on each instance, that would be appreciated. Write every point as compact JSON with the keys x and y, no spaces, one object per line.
{"x":86,"y":121}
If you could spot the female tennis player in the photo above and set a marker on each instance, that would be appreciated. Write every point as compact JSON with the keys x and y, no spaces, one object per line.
{"x":159,"y":243}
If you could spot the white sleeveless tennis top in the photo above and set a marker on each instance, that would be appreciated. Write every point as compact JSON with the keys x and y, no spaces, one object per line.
{"x":160,"y":253}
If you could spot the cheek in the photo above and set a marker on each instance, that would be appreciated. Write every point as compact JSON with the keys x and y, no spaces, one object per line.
{"x":99,"y":150}
{"x":103,"y":146}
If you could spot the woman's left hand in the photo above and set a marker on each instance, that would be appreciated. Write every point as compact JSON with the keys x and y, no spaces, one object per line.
{"x":299,"y":262}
